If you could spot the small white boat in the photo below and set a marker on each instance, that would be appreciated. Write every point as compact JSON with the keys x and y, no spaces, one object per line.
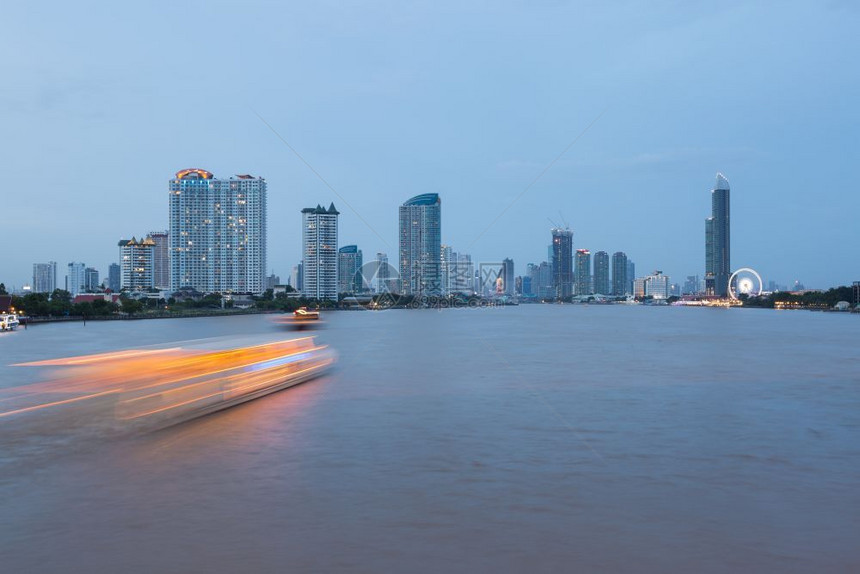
{"x":8,"y":322}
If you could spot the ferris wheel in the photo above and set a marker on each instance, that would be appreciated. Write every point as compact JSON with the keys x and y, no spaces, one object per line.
{"x":745,"y":281}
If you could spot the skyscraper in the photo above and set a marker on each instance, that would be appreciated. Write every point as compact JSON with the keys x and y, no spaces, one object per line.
{"x":562,"y":262}
{"x":631,"y":276}
{"x":91,"y":279}
{"x":421,"y":245}
{"x":319,"y":252}
{"x":601,"y":273}
{"x":114,"y":277}
{"x":136,"y":263}
{"x":582,"y":274}
{"x":75,"y":278}
{"x":44,"y":277}
{"x":349,"y":279}
{"x":160,"y":259}
{"x":217,"y":232}
{"x":619,"y":274}
{"x":507,"y":275}
{"x":718,"y":241}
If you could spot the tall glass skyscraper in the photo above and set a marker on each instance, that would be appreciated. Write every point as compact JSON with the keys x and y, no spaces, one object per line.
{"x":582,"y":275}
{"x":717,"y":241}
{"x":217,"y":232}
{"x":421,"y":245}
{"x":601,"y":273}
{"x":76,"y":278}
{"x":619,"y":274}
{"x":562,"y":262}
{"x":319,"y":252}
{"x":349,"y":262}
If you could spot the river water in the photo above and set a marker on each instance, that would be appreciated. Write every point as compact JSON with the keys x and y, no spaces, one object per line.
{"x":523,"y":439}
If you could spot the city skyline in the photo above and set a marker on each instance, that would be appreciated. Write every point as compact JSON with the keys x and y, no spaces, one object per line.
{"x":636,"y":180}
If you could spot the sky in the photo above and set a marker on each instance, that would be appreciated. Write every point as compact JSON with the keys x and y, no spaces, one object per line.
{"x":101,"y":103}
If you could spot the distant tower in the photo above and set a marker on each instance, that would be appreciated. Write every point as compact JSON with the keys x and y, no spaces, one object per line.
{"x":562,"y":262}
{"x":114,"y":278}
{"x":717,"y":241}
{"x":601,"y":273}
{"x":619,"y":273}
{"x":421,"y":245}
{"x":631,"y":277}
{"x":349,"y":262}
{"x":583,"y":272}
{"x":319,"y":252}
{"x":91,"y":279}
{"x":44,"y":277}
{"x":76,"y":278}
{"x":160,"y":259}
{"x":507,"y":276}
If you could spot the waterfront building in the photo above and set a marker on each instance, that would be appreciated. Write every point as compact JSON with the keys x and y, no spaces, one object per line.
{"x":562,"y":262}
{"x":136,"y":259}
{"x":655,"y":285}
{"x":271,"y":281}
{"x":421,"y":245}
{"x":718,"y":241}
{"x":349,"y":279}
{"x":114,"y":282}
{"x":160,"y":259}
{"x":217,"y":232}
{"x":619,"y":274}
{"x":44,"y":277}
{"x":506,"y":274}
{"x":76,"y":278}
{"x":319,"y":252}
{"x":300,"y":283}
{"x":582,"y":273}
{"x":631,"y":274}
{"x":91,"y":279}
{"x":601,"y":273}
{"x":526,"y":284}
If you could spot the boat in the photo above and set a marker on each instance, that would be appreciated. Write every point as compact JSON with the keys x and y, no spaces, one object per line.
{"x":305,"y":314}
{"x":165,"y":386}
{"x":8,"y":322}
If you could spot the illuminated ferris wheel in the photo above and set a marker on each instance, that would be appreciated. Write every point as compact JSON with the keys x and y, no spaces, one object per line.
{"x":745,"y":281}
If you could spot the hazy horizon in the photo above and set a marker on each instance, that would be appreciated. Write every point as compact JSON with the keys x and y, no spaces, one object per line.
{"x":102,"y":104}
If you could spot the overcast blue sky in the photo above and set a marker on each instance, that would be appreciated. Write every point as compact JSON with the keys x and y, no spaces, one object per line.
{"x":100,"y":103}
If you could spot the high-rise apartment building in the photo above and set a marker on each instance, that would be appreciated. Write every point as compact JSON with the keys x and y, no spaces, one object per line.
{"x":421,"y":245}
{"x":562,"y":262}
{"x":718,"y":241}
{"x":619,"y":274}
{"x":601,"y":273}
{"x":319,"y":252}
{"x":582,"y":273}
{"x":114,"y":277}
{"x":76,"y":278}
{"x":135,"y":258}
{"x":217,"y":232}
{"x":44,"y":277}
{"x":349,"y":279}
{"x":657,"y":285}
{"x":160,"y":259}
